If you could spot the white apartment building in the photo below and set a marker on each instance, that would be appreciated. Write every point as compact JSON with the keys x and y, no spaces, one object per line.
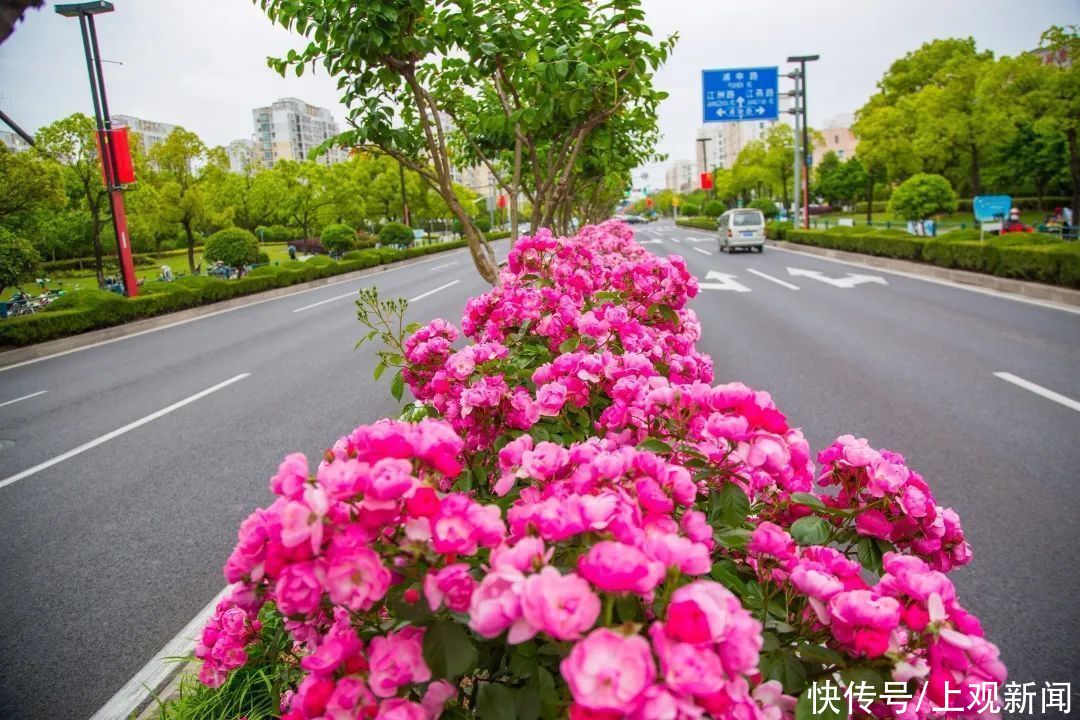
{"x":724,"y":141}
{"x":289,"y":129}
{"x":13,"y":141}
{"x":147,"y":133}
{"x":477,"y":178}
{"x":680,"y":176}
{"x":241,"y":155}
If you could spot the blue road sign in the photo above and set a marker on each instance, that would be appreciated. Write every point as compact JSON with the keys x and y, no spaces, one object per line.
{"x":739,"y":94}
{"x":990,"y":207}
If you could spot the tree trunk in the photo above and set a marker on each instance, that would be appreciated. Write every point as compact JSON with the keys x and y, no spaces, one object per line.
{"x":515,"y":187}
{"x":190,"y":245}
{"x":869,"y":197}
{"x":482,"y":254}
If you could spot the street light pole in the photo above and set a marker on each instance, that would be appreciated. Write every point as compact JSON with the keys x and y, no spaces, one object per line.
{"x":808,"y":152}
{"x":797,"y":161}
{"x":704,"y":142}
{"x":86,"y":11}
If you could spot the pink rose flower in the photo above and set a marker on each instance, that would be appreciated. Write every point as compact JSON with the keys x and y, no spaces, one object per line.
{"x":298,"y":590}
{"x":608,"y":671}
{"x":451,"y":584}
{"x":397,"y":659}
{"x":617,"y":567}
{"x":563,"y":606}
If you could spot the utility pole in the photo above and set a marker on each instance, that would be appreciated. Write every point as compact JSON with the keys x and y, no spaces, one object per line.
{"x":704,"y":142}
{"x":794,"y":110}
{"x":808,"y":152}
{"x":86,"y":11}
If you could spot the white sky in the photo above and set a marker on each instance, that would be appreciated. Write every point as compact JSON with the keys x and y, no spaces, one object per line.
{"x":201,"y":63}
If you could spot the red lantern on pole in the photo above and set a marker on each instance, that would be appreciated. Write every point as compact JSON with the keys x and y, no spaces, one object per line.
{"x":501,"y":202}
{"x":706,"y":181}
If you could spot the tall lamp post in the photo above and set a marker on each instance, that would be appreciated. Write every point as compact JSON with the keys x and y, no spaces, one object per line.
{"x":808,"y":152}
{"x":86,"y":11}
{"x":704,"y":142}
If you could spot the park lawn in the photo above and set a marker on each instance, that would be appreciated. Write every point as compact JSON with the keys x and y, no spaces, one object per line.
{"x":1028,"y":217}
{"x":74,"y":280}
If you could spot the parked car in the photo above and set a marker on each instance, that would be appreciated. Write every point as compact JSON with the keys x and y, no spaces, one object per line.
{"x":742,"y":228}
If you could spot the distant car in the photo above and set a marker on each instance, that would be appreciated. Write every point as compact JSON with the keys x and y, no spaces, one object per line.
{"x":742,"y":228}
{"x":632,"y":219}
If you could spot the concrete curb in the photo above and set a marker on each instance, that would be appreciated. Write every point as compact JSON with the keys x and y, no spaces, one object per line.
{"x":1037,"y":291}
{"x":60,"y":346}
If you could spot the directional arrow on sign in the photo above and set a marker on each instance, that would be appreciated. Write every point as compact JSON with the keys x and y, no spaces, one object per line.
{"x":760,"y":110}
{"x":842,"y":282}
{"x":719,"y":112}
{"x":740,"y":100}
{"x":724,"y":282}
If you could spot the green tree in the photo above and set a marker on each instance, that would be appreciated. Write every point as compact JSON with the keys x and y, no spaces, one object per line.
{"x":28,"y":182}
{"x":779,"y":160}
{"x":235,"y":247}
{"x":884,"y":148}
{"x":922,"y":196}
{"x":184,"y":166}
{"x":337,"y":238}
{"x":393,"y":233}
{"x":714,"y":208}
{"x":18,"y":259}
{"x":71,"y":140}
{"x":254,"y":197}
{"x":766,"y":206}
{"x":1056,"y":102}
{"x":307,"y":192}
{"x":691,"y":210}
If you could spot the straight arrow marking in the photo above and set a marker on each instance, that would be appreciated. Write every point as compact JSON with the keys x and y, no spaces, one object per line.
{"x":843,"y":282}
{"x":725,"y":282}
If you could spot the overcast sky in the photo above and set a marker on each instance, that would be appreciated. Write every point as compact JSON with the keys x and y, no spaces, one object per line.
{"x":201,"y":63}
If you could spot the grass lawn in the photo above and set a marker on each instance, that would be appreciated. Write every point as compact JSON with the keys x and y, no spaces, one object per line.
{"x":1028,"y":217}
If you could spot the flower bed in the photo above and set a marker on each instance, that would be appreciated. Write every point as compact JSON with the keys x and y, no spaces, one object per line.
{"x":572,"y":520}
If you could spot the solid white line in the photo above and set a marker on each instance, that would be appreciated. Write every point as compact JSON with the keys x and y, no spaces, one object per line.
{"x":148,"y":681}
{"x":778,"y":281}
{"x":323,"y":302}
{"x":24,"y":397}
{"x":1039,"y":390}
{"x":703,"y":252}
{"x":443,"y":266}
{"x":940,"y":281}
{"x":676,"y":240}
{"x":119,"y":431}
{"x":223,"y":311}
{"x":421,"y":296}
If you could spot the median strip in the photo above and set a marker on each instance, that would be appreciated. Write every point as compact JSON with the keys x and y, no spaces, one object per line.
{"x":1039,"y":390}
{"x":119,"y":431}
{"x":421,"y":296}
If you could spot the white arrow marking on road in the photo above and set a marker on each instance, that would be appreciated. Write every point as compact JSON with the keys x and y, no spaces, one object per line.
{"x":778,"y":281}
{"x":120,"y":431}
{"x":845,"y":282}
{"x":24,"y":397}
{"x":703,"y":252}
{"x":726,"y":282}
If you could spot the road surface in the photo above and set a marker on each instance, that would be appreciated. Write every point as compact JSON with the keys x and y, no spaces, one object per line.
{"x":125,"y":468}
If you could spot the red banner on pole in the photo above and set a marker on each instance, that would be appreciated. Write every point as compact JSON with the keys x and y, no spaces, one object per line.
{"x":706,"y":181}
{"x":501,"y":203}
{"x":121,"y":152}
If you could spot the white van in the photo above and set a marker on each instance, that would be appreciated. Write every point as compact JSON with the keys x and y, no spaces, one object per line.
{"x":742,"y":228}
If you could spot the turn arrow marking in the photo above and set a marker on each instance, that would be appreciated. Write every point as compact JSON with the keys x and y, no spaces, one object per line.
{"x":843,"y":282}
{"x":726,"y":282}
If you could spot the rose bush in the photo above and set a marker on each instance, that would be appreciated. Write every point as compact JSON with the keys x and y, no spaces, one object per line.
{"x":572,"y":520}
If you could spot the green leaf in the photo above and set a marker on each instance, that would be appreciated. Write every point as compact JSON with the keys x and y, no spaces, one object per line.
{"x":527,"y":703}
{"x":869,"y":555}
{"x":732,"y":505}
{"x":857,"y":674}
{"x":628,"y":608}
{"x":397,"y":386}
{"x":810,"y":530}
{"x":725,"y":573}
{"x":496,"y":702}
{"x":819,"y":653}
{"x":808,"y":499}
{"x":532,"y":57}
{"x":379,"y":370}
{"x":417,"y":612}
{"x":570,"y":344}
{"x":784,"y":666}
{"x":448,"y":651}
{"x":654,"y":445}
{"x":831,"y":709}
{"x":734,"y":539}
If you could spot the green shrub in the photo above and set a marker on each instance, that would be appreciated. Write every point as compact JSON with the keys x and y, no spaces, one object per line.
{"x":880,"y":206}
{"x":690,"y":210}
{"x":263,"y":259}
{"x":364,"y":240}
{"x":395,"y":234}
{"x":279,"y":233}
{"x":497,"y":235}
{"x":18,"y":259}
{"x":766,"y":206}
{"x":714,"y":208}
{"x":777,"y":230}
{"x":921,"y":196}
{"x":338,"y":238}
{"x":234,"y":246}
{"x":701,"y":223}
{"x":483,"y":224}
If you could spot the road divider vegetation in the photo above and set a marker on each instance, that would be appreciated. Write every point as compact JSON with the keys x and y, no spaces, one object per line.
{"x":699,"y":222}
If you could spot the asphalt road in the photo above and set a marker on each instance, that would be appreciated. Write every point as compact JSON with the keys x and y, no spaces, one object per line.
{"x":109,"y":553}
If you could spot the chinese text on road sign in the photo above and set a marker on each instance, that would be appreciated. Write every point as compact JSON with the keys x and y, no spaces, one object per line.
{"x":739,"y":94}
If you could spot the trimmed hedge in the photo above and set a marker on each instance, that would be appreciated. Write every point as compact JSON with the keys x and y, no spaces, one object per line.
{"x":701,"y":223}
{"x":84,"y":310}
{"x":1025,"y":256}
{"x":964,"y":204}
{"x":776,"y":230}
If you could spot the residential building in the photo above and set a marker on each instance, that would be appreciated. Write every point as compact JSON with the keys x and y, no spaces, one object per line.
{"x":13,"y":141}
{"x":724,"y":141}
{"x":146,"y":133}
{"x":477,"y":178}
{"x":290,"y":129}
{"x":241,"y":155}
{"x":680,"y":176}
{"x":837,"y":137}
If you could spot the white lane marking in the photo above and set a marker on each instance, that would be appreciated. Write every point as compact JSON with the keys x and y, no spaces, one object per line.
{"x":421,"y":296}
{"x":1039,"y":390}
{"x":443,"y":266}
{"x":649,"y":242}
{"x":323,"y":302}
{"x":724,"y":282}
{"x":937,"y":281}
{"x":845,"y":282}
{"x":119,"y":431}
{"x":24,"y":397}
{"x":227,"y":310}
{"x":676,"y":240}
{"x":698,"y":238}
{"x":148,"y":681}
{"x":778,"y":281}
{"x":703,"y":251}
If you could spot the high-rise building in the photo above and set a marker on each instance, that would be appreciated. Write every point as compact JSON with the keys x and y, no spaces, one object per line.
{"x":838,"y":138}
{"x":147,"y":133}
{"x":241,"y":155}
{"x":680,"y":176}
{"x":13,"y":141}
{"x":724,"y":141}
{"x":289,"y":129}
